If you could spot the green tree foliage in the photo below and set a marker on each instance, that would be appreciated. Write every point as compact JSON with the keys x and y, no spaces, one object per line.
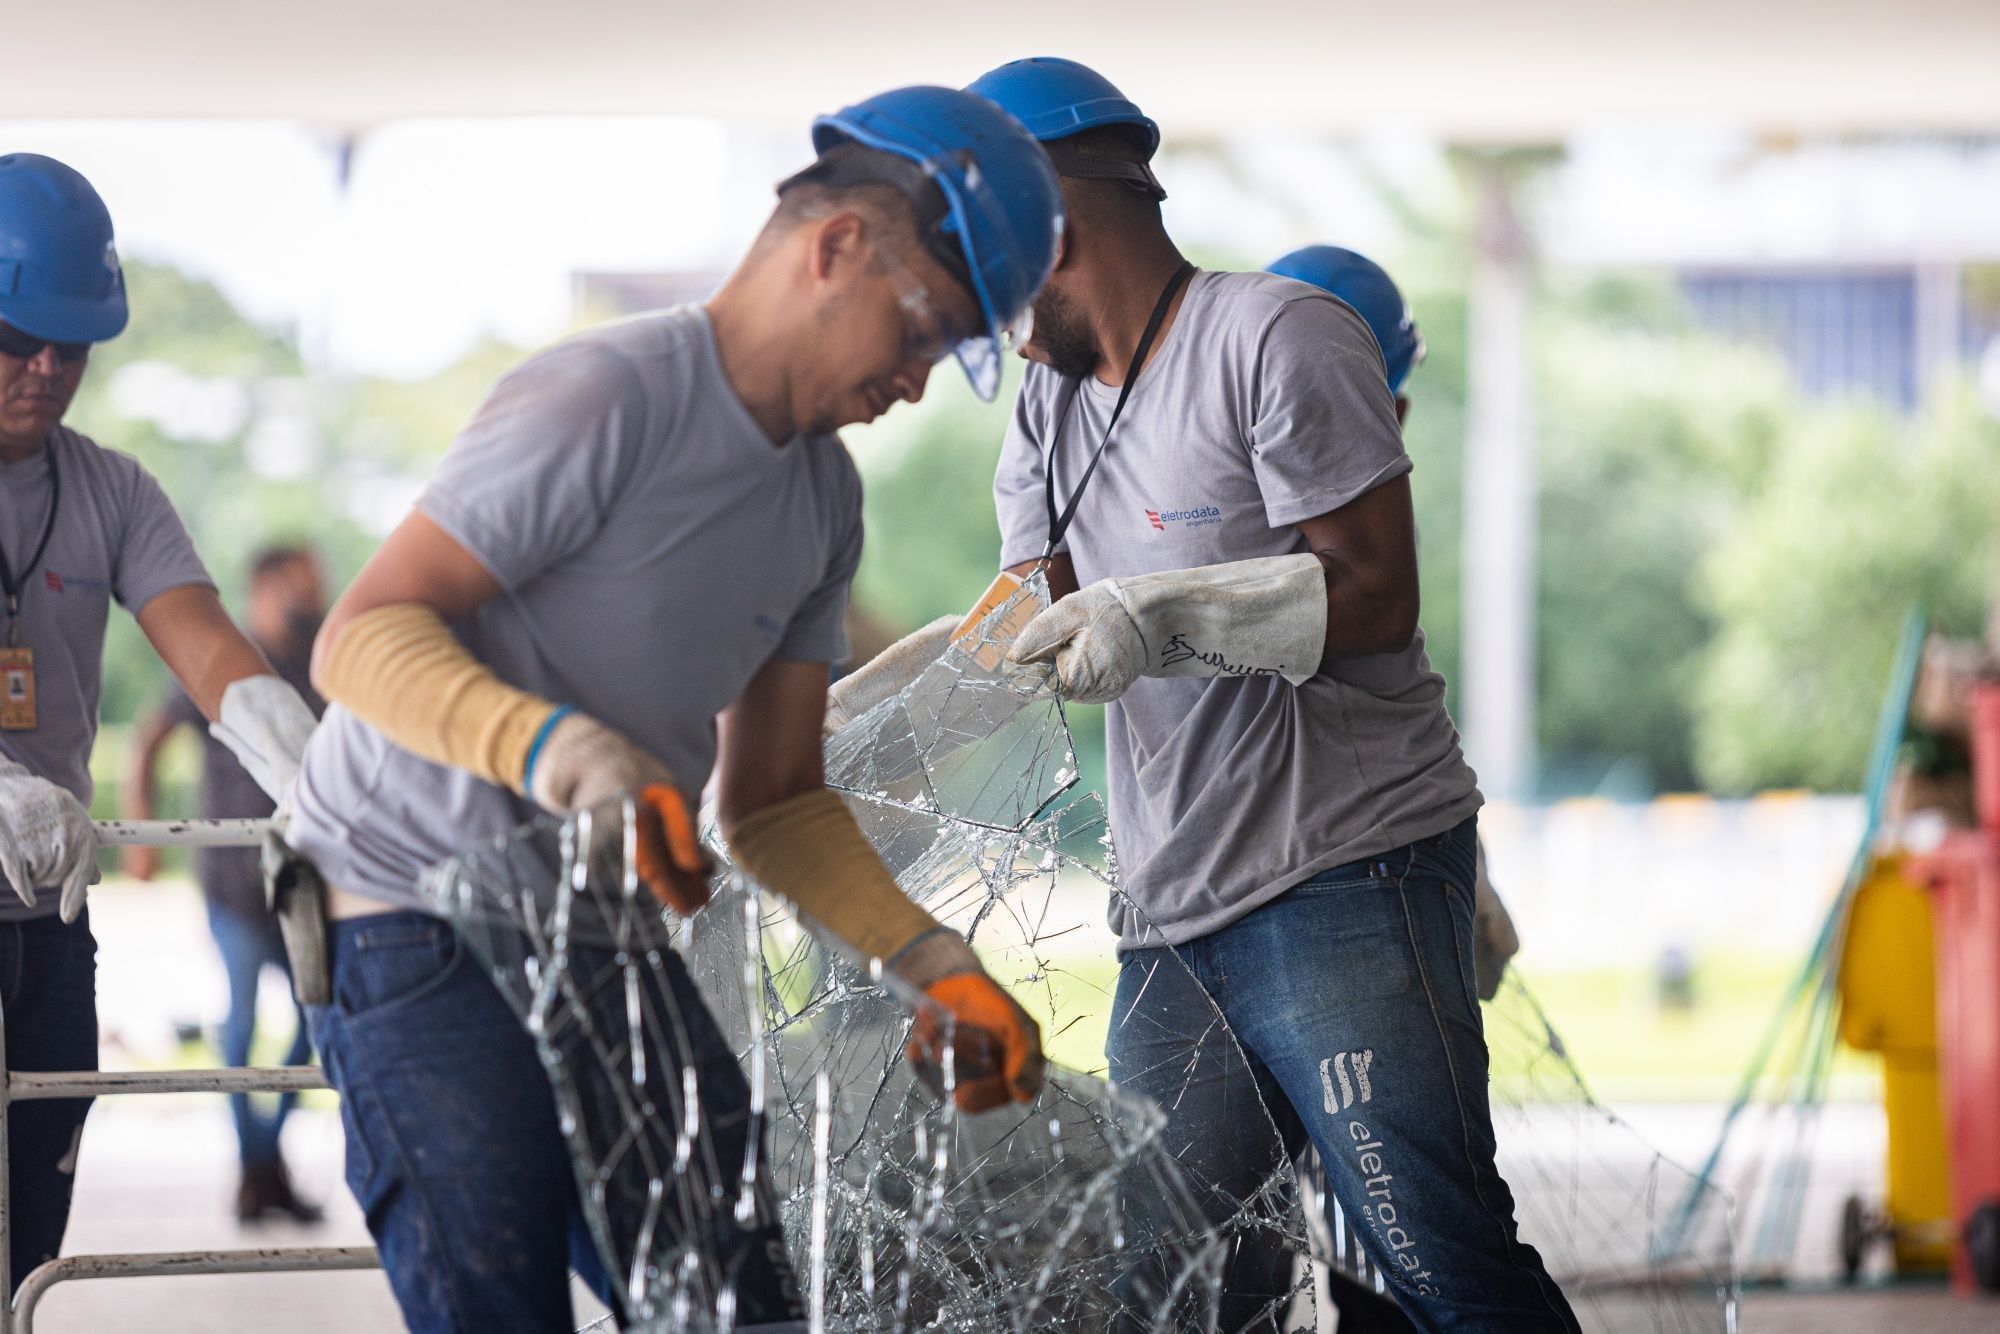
{"x":1721,"y":563}
{"x":253,"y":450}
{"x":1646,"y":436}
{"x":179,"y":391}
{"x":1434,"y":433}
{"x":1859,"y":515}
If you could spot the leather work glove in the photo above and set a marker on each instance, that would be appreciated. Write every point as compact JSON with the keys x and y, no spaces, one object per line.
{"x":46,"y":838}
{"x":884,"y":675}
{"x":1260,"y":617}
{"x":266,"y":725}
{"x":1093,"y":641}
{"x":995,"y":1047}
{"x":584,"y":765}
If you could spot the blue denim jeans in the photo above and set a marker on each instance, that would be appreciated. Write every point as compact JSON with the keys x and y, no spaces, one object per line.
{"x":1351,"y":996}
{"x":48,"y":988}
{"x":248,"y":946}
{"x":454,"y":1147}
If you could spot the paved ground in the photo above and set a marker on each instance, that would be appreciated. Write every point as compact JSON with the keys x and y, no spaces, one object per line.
{"x":1892,"y":1311}
{"x":159,"y":1176}
{"x":132,"y":1195}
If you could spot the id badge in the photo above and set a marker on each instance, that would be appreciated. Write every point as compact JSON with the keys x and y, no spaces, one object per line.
{"x":1003,"y":587}
{"x":17,"y":689}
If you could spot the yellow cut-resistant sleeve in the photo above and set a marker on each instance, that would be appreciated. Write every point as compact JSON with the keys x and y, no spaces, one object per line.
{"x":401,"y":670}
{"x":809,"y":849}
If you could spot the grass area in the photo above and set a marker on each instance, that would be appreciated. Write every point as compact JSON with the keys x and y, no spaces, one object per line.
{"x":1628,"y":1047}
{"x":1632,"y":1049}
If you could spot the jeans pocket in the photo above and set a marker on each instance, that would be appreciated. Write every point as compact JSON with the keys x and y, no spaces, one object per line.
{"x":1335,"y":880}
{"x":390,"y":965}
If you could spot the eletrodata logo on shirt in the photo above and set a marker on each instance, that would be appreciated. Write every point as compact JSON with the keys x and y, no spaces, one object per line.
{"x":57,"y":583}
{"x":1201,"y":516}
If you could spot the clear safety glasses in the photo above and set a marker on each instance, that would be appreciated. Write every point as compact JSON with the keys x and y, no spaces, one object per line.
{"x":929,"y":333}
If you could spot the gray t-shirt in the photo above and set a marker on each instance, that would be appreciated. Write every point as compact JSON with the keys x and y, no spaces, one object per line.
{"x":653,"y":549}
{"x":116,"y":536}
{"x":1264,"y":405}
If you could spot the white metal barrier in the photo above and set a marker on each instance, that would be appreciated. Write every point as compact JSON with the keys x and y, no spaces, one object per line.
{"x":18,"y":1317}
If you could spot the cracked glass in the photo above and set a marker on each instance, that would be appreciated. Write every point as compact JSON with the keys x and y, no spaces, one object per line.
{"x":898,"y":1212}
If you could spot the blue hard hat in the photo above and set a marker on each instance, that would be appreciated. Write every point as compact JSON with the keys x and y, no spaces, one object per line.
{"x":59,"y":274}
{"x":1056,"y":98}
{"x":1362,"y":284}
{"x":1003,"y":205}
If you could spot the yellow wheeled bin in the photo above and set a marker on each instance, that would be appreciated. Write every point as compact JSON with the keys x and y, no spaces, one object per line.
{"x":1888,"y":1004}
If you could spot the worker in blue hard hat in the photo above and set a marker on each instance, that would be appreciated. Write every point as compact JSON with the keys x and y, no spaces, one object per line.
{"x":628,"y":572}
{"x":1209,"y":469}
{"x":1367,"y":287}
{"x":80,"y":526}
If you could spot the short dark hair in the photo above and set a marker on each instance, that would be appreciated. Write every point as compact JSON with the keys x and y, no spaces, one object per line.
{"x":269,"y":560}
{"x":889,"y":190}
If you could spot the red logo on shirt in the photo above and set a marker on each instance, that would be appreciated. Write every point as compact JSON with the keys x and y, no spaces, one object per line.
{"x":53,"y":580}
{"x":1153,"y":517}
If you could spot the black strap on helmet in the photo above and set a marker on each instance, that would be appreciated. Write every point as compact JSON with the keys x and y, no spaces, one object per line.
{"x":1083,"y":158}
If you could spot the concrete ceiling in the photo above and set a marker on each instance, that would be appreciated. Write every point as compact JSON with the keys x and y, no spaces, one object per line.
{"x":1467,"y":69}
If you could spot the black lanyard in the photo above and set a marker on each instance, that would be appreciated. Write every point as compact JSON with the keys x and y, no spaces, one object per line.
{"x":12,"y":585}
{"x":1059,"y":523}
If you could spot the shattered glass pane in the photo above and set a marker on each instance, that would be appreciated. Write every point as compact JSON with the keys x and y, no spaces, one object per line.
{"x":1593,"y":1196}
{"x":900,"y":1213}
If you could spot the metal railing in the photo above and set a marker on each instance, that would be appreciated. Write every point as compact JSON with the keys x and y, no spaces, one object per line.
{"x":18,"y":1316}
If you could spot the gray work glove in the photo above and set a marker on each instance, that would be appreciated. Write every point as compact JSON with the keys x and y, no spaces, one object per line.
{"x":266,"y":726}
{"x":884,"y":675}
{"x":46,"y":838}
{"x":1494,"y":940}
{"x":585,"y":765}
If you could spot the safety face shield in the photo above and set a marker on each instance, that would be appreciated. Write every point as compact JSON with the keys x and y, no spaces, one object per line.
{"x":930,"y":333}
{"x":973,"y":243}
{"x":994,"y":231}
{"x":981,"y":357}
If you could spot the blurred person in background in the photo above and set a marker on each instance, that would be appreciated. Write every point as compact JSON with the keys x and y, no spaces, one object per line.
{"x":287,"y":602}
{"x":1368,"y":289}
{"x":1366,"y":286}
{"x":81,"y":526}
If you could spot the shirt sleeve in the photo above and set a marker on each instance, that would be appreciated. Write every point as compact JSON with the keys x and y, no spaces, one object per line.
{"x":817,"y":631}
{"x":534,"y":476}
{"x":1324,"y":430}
{"x":1019,"y":490}
{"x":155,"y":553}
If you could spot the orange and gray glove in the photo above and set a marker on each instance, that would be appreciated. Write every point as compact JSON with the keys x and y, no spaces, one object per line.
{"x":580,"y":764}
{"x":809,"y":849}
{"x":995,"y":1048}
{"x":400,"y":669}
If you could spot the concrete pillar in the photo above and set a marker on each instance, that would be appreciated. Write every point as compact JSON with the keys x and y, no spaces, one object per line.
{"x":1497,"y":655}
{"x":1938,"y":313}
